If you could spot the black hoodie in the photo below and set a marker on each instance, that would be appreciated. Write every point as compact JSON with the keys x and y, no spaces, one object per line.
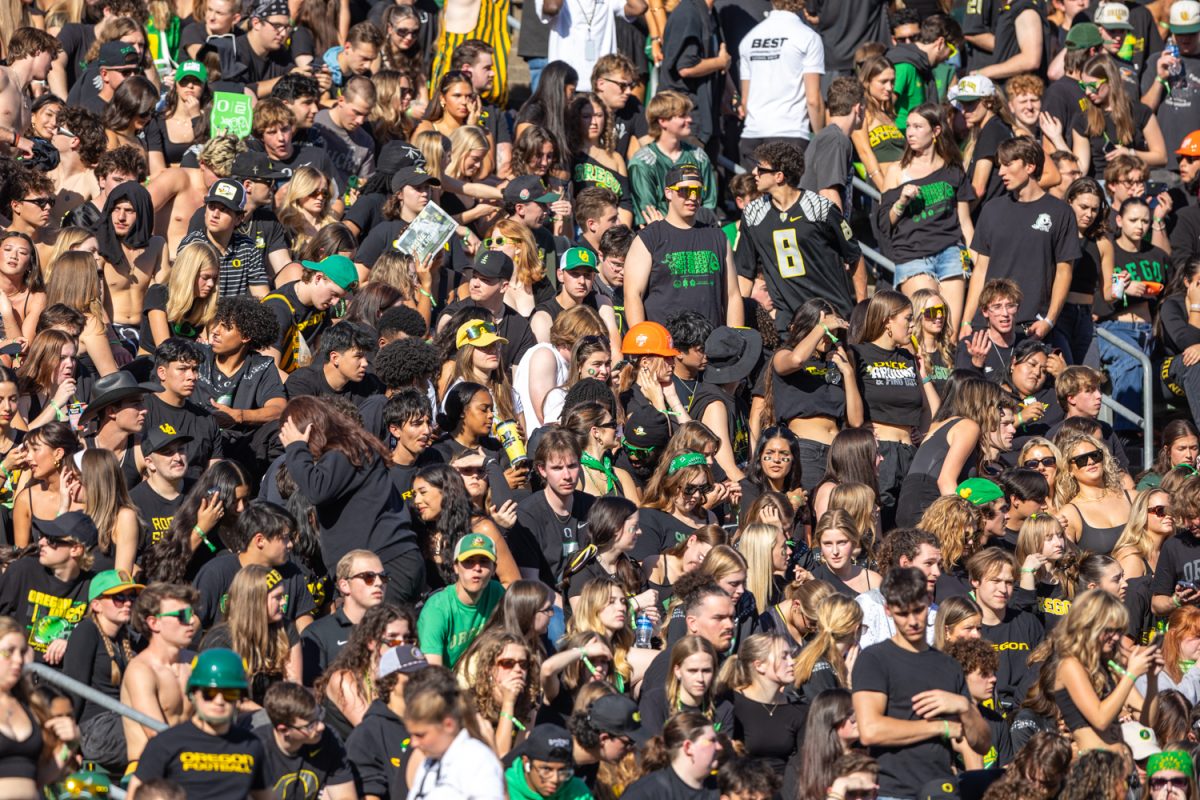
{"x":908,"y":53}
{"x":379,"y":750}
{"x":139,"y":235}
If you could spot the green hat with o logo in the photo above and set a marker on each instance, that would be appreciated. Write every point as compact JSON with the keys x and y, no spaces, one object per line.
{"x":475,"y":544}
{"x":578,"y":258}
{"x":337,"y":268}
{"x":979,"y":491}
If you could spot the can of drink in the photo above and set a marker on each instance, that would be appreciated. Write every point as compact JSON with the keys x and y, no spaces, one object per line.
{"x":510,"y":437}
{"x":1118,"y":287}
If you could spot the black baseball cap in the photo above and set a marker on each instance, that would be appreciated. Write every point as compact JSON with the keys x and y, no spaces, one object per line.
{"x":412,"y":176}
{"x":528,"y":189}
{"x":396,"y":155}
{"x":617,"y":715}
{"x":647,"y":428}
{"x":547,"y":743}
{"x":74,"y":524}
{"x":681,"y":173}
{"x":494,"y":264}
{"x":158,"y":438}
{"x":256,"y":165}
{"x":228,"y":193}
{"x":118,"y":55}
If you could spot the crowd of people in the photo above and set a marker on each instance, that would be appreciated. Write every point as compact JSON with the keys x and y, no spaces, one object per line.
{"x":748,"y":407}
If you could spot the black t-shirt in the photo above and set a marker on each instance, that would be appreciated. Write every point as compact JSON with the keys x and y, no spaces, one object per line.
{"x":1108,"y":138}
{"x":1178,"y":561}
{"x":322,"y":641}
{"x":773,"y":734}
{"x":259,"y":68}
{"x":980,"y":17}
{"x":687,"y":268}
{"x":206,"y":767}
{"x":189,"y":420}
{"x":832,"y":162}
{"x":250,"y":387}
{"x":664,"y":784}
{"x":889,"y":383}
{"x":156,"y":300}
{"x":1024,"y":242}
{"x":542,"y":540}
{"x":811,"y":391}
{"x":587,"y":171}
{"x":76,"y":39}
{"x":87,"y":661}
{"x":995,"y":365}
{"x":801,"y":252}
{"x":1179,"y":111}
{"x":1064,"y":101}
{"x":42,"y":604}
{"x":629,"y":123}
{"x":930,"y":221}
{"x":993,"y":133}
{"x":660,"y":531}
{"x":154,"y":509}
{"x":1013,"y":638}
{"x":1007,"y":46}
{"x":1149,"y":265}
{"x":1085,"y":276}
{"x":307,"y":155}
{"x":311,"y":380}
{"x":214,"y":579}
{"x":513,"y":327}
{"x":691,"y":35}
{"x":379,"y":750}
{"x":900,"y":674}
{"x":313,"y":768}
{"x":366,"y":213}
{"x":295,"y":319}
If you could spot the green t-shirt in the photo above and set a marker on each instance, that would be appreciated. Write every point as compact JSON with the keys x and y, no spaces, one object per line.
{"x":519,"y":788}
{"x":447,"y":625}
{"x":910,"y":92}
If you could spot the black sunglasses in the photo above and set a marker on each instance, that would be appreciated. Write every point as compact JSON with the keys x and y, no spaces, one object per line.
{"x":1034,"y":463}
{"x":1088,"y":458}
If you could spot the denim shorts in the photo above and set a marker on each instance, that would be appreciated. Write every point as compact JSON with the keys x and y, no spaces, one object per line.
{"x":944,"y":265}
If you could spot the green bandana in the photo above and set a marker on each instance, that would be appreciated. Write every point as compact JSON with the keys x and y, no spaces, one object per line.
{"x":686,"y":460}
{"x":604,"y":465}
{"x":1174,"y":760}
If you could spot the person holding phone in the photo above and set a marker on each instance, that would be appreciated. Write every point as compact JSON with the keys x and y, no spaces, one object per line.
{"x":1174,"y":583}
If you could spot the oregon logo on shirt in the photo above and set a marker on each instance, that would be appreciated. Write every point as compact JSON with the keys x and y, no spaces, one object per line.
{"x":303,"y":783}
{"x":217,"y":762}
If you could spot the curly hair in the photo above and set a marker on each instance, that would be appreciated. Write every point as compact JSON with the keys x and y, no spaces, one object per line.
{"x":956,"y":522}
{"x":404,"y":361}
{"x":167,"y":558}
{"x":89,"y":129}
{"x":974,"y":655}
{"x":1096,"y":774}
{"x":478,"y":668}
{"x":1066,"y":486}
{"x":359,"y":658}
{"x":251,"y":318}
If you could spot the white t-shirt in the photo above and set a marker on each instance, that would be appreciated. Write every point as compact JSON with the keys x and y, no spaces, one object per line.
{"x":521,"y":385}
{"x":468,"y":771}
{"x":581,"y":32}
{"x":774,"y":56}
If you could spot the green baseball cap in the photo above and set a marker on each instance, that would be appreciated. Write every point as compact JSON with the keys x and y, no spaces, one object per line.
{"x":979,"y":491}
{"x":192,"y":69}
{"x":111,"y":581}
{"x":578,"y":257}
{"x":1084,"y":36}
{"x":338,"y":269}
{"x":475,"y":544}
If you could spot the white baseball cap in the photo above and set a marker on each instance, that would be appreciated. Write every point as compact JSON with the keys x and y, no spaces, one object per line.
{"x":1185,"y":17}
{"x":972,"y":87}
{"x":1113,"y":16}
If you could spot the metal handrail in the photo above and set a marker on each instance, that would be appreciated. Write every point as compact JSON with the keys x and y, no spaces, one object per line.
{"x":67,"y":683}
{"x":1146,"y":421}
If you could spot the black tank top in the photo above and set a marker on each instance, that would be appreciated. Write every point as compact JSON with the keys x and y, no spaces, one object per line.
{"x":920,"y":487}
{"x":1097,"y":540}
{"x":20,"y":759}
{"x":686,"y":271}
{"x":129,"y":470}
{"x":807,"y":392}
{"x":1086,"y":274}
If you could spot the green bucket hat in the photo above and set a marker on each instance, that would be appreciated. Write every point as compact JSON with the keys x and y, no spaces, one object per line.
{"x":979,"y":491}
{"x":338,"y":269}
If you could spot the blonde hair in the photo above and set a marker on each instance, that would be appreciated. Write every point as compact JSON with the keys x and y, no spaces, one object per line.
{"x":106,"y":493}
{"x":219,"y":153}
{"x":182,"y":303}
{"x":1032,"y":538}
{"x":432,"y":145}
{"x":947,"y":339}
{"x":465,"y":139}
{"x":1135,"y":537}
{"x":837,"y":618}
{"x":955,"y":522}
{"x":756,"y":543}
{"x":1077,"y":635}
{"x":397,"y":270}
{"x":76,"y":284}
{"x":1066,"y":487}
{"x":953,"y":611}
{"x":67,"y":240}
{"x":528,"y":266}
{"x":595,"y":596}
{"x":860,"y":502}
{"x":574,"y":324}
{"x":737,"y":672}
{"x":262,"y":645}
{"x":305,"y":182}
{"x":837,"y":519}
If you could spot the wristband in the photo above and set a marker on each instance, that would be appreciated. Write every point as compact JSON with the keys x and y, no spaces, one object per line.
{"x":516,"y":722}
{"x":1193,"y":306}
{"x":196,"y":529}
{"x":1161,"y":80}
{"x":945,"y":730}
{"x":829,"y":333}
{"x":1030,"y":570}
{"x":587,"y":662}
{"x":926,"y":380}
{"x":1175,"y":600}
{"x":432,"y":302}
{"x":1019,"y":420}
{"x":1117,"y":668}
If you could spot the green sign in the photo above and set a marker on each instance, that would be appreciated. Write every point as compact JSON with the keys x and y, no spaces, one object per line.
{"x":231,"y":114}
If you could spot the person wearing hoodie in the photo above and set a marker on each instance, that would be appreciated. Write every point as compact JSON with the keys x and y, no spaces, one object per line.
{"x":543,"y":768}
{"x":914,"y":62}
{"x":379,"y":747}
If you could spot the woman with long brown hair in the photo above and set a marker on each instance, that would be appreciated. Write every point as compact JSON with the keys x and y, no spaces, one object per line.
{"x":455,"y":104}
{"x":958,"y":525}
{"x":691,"y":687}
{"x":604,"y":609}
{"x":76,"y":283}
{"x":255,"y":629}
{"x":22,"y":290}
{"x":685,"y":557}
{"x":476,"y":361}
{"x":499,"y":675}
{"x":839,"y":543}
{"x":53,"y":484}
{"x":878,"y":141}
{"x":673,"y":507}
{"x":1113,"y":123}
{"x":106,"y":501}
{"x":343,"y":470}
{"x":46,"y":379}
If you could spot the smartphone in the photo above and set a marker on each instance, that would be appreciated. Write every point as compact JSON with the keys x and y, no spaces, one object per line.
{"x":214,"y":492}
{"x":1155,"y":188}
{"x":1185,"y":584}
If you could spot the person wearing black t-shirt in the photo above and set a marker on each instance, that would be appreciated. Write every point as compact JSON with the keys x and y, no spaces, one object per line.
{"x":410,"y":194}
{"x":1014,"y":633}
{"x":262,"y":52}
{"x":732,"y":354}
{"x":675,"y":264}
{"x":340,"y":369}
{"x":263,"y":536}
{"x":300,"y":749}
{"x":1176,"y":580}
{"x":797,"y":240}
{"x":990,"y":351}
{"x":1096,"y":136}
{"x":159,"y":496}
{"x":176,"y":362}
{"x":207,"y":756}
{"x":410,"y":425}
{"x":912,"y":701}
{"x":487,"y":281}
{"x":1018,"y":236}
{"x":239,"y":384}
{"x":676,"y":773}
{"x":301,"y":308}
{"x":378,"y":748}
{"x":551,"y":523}
{"x":122,"y":397}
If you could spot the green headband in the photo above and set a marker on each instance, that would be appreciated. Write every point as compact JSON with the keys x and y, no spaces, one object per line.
{"x":686,"y":460}
{"x":1174,"y":760}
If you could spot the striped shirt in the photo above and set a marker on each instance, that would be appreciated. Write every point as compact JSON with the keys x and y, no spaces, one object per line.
{"x":241,"y":263}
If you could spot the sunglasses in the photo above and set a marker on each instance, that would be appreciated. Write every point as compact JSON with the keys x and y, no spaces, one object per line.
{"x":478,"y":330}
{"x":512,"y":663}
{"x":1091,"y":86}
{"x":403,"y":32}
{"x":1157,"y":783}
{"x":497,"y":241}
{"x":184,"y":615}
{"x":989,"y":512}
{"x":396,"y":641}
{"x":1159,"y":511}
{"x":687,"y":192}
{"x":762,"y":169}
{"x":310,"y":725}
{"x":123,"y":598}
{"x":40,"y":202}
{"x":1088,"y":458}
{"x":934,"y":312}
{"x":624,"y":86}
{"x":369,"y":578}
{"x":1034,"y":463}
{"x":230,"y":695}
{"x":470,"y":472}
{"x":905,"y":39}
{"x":693,"y":489}
{"x":611,"y":424}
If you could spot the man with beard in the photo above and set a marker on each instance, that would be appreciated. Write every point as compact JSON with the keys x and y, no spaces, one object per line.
{"x":206,"y":755}
{"x":30,"y":52}
{"x":646,"y":434}
{"x":132,"y":257}
{"x":177,"y":192}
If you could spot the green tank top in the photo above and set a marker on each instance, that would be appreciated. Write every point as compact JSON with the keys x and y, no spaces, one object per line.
{"x":887,"y":143}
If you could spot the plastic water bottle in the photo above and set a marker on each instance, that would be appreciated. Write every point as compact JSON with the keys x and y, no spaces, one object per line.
{"x":645,"y":629}
{"x":1172,"y":49}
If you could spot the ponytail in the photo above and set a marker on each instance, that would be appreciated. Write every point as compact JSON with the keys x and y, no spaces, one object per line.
{"x":661,"y":749}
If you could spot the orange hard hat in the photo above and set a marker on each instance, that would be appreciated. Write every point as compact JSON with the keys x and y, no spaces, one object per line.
{"x":1190,"y":146}
{"x":648,"y":339}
